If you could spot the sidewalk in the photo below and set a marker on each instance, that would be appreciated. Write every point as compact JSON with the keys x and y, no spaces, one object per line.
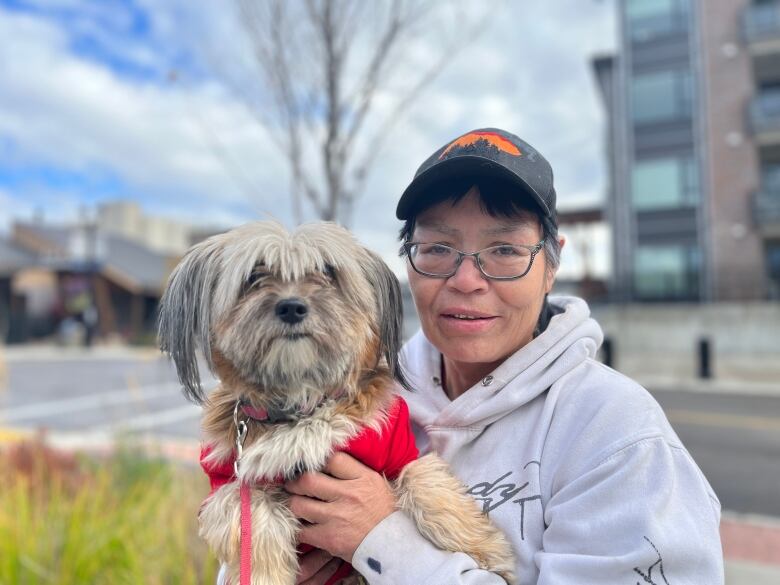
{"x":751,"y":548}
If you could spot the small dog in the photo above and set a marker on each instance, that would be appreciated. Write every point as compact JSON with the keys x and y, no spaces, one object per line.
{"x":303,"y":331}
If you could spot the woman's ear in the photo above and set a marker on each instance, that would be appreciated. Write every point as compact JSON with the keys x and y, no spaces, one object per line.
{"x":550,"y":273}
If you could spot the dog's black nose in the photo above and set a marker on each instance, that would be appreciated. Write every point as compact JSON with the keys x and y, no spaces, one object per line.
{"x":292,"y":310}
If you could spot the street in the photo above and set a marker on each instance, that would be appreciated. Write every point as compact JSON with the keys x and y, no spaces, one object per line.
{"x":106,"y":395}
{"x":735,"y":440}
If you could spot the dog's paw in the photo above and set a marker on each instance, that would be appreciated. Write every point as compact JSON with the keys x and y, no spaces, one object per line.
{"x":220,"y":523}
{"x":274,"y":538}
{"x":449,"y":518}
{"x":274,"y":533}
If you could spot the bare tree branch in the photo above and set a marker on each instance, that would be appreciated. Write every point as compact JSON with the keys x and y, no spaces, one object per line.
{"x":307,"y":52}
{"x":362,"y":168}
{"x":374,"y":71}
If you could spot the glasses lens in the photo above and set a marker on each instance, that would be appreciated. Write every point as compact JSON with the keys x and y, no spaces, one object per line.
{"x":505,"y":261}
{"x":433,"y":258}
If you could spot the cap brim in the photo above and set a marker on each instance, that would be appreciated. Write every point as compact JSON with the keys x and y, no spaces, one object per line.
{"x":459,"y":167}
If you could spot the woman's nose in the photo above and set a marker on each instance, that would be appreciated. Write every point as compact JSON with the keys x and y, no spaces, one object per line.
{"x":467,"y":277}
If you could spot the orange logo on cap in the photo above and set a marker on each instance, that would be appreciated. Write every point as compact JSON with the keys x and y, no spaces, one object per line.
{"x":492,"y":138}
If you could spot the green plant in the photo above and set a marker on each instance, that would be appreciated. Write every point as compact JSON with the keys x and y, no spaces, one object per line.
{"x":122,"y":519}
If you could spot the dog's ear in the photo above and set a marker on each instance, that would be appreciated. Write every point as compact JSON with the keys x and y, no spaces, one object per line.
{"x":184,"y":321}
{"x":389,"y":311}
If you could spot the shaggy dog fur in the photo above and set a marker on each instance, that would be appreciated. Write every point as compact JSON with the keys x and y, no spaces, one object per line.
{"x":331,"y":374}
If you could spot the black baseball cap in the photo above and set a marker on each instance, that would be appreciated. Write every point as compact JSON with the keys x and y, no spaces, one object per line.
{"x":487,"y":153}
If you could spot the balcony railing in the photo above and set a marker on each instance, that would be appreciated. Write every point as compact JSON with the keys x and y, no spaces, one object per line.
{"x":666,"y":285}
{"x":662,"y":26}
{"x":762,"y":22}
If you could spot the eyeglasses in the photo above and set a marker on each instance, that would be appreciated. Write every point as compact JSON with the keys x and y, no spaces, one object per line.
{"x":504,"y":262}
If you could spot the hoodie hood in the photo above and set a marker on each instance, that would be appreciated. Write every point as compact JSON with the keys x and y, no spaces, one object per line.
{"x":571,"y":337}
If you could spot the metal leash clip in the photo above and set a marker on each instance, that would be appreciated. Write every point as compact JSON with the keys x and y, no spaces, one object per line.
{"x":241,"y":430}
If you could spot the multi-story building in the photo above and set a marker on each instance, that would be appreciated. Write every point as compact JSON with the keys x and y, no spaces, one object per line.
{"x":693,"y":97}
{"x":127,"y":219}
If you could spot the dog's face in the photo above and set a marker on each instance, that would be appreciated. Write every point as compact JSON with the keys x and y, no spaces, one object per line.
{"x":293,"y":317}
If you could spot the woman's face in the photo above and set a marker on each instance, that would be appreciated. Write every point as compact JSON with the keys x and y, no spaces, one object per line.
{"x":506,"y":311}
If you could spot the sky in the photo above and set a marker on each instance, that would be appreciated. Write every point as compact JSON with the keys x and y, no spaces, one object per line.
{"x":127,"y":99}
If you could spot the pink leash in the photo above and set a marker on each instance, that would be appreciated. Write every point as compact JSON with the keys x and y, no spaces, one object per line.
{"x":246,"y":534}
{"x":246,"y":503}
{"x":260,"y":414}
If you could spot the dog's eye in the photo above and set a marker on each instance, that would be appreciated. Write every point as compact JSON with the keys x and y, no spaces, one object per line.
{"x":256,"y":276}
{"x":329,"y":271}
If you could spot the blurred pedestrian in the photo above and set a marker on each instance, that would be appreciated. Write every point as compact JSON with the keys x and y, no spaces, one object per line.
{"x":89,"y":317}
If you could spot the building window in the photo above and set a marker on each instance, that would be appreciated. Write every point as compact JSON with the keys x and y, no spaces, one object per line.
{"x":773,"y":260}
{"x":767,"y":101}
{"x":773,"y":268}
{"x":762,"y":18}
{"x":770,"y":179}
{"x":666,"y":272}
{"x":661,"y":96}
{"x":664,"y":183}
{"x":648,"y":19}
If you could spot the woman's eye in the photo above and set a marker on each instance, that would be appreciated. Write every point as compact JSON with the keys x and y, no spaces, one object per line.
{"x":434,"y":249}
{"x":505,"y":251}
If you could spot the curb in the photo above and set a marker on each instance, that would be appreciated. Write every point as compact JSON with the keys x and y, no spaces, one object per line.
{"x":733,"y":387}
{"x":750,"y":518}
{"x":173,"y":449}
{"x":102,"y":443}
{"x":32,"y":353}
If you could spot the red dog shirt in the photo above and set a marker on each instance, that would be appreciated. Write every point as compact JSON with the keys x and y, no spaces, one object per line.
{"x":387,"y":452}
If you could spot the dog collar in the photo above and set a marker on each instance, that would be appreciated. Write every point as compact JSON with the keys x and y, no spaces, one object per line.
{"x":267,"y":415}
{"x":260,"y":414}
{"x":273,"y":415}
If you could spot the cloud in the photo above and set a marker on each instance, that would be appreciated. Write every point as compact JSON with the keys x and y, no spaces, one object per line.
{"x":184,"y":145}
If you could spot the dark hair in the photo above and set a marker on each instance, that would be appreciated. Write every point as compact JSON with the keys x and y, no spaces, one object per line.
{"x":496,"y":202}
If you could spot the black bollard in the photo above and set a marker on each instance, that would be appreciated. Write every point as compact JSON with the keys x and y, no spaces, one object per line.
{"x":705,"y":358}
{"x":606,"y":352}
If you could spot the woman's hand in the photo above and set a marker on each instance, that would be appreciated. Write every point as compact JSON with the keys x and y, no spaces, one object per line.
{"x":316,"y":567}
{"x":340,"y":506}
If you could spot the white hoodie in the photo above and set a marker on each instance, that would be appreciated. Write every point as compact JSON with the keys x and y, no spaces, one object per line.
{"x":576,"y":463}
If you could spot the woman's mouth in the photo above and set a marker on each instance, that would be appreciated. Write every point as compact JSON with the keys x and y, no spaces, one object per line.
{"x":468,"y":317}
{"x":466,"y":321}
{"x":464,"y":313}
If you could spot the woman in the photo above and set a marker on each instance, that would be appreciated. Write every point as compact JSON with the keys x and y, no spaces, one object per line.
{"x":575,"y":462}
